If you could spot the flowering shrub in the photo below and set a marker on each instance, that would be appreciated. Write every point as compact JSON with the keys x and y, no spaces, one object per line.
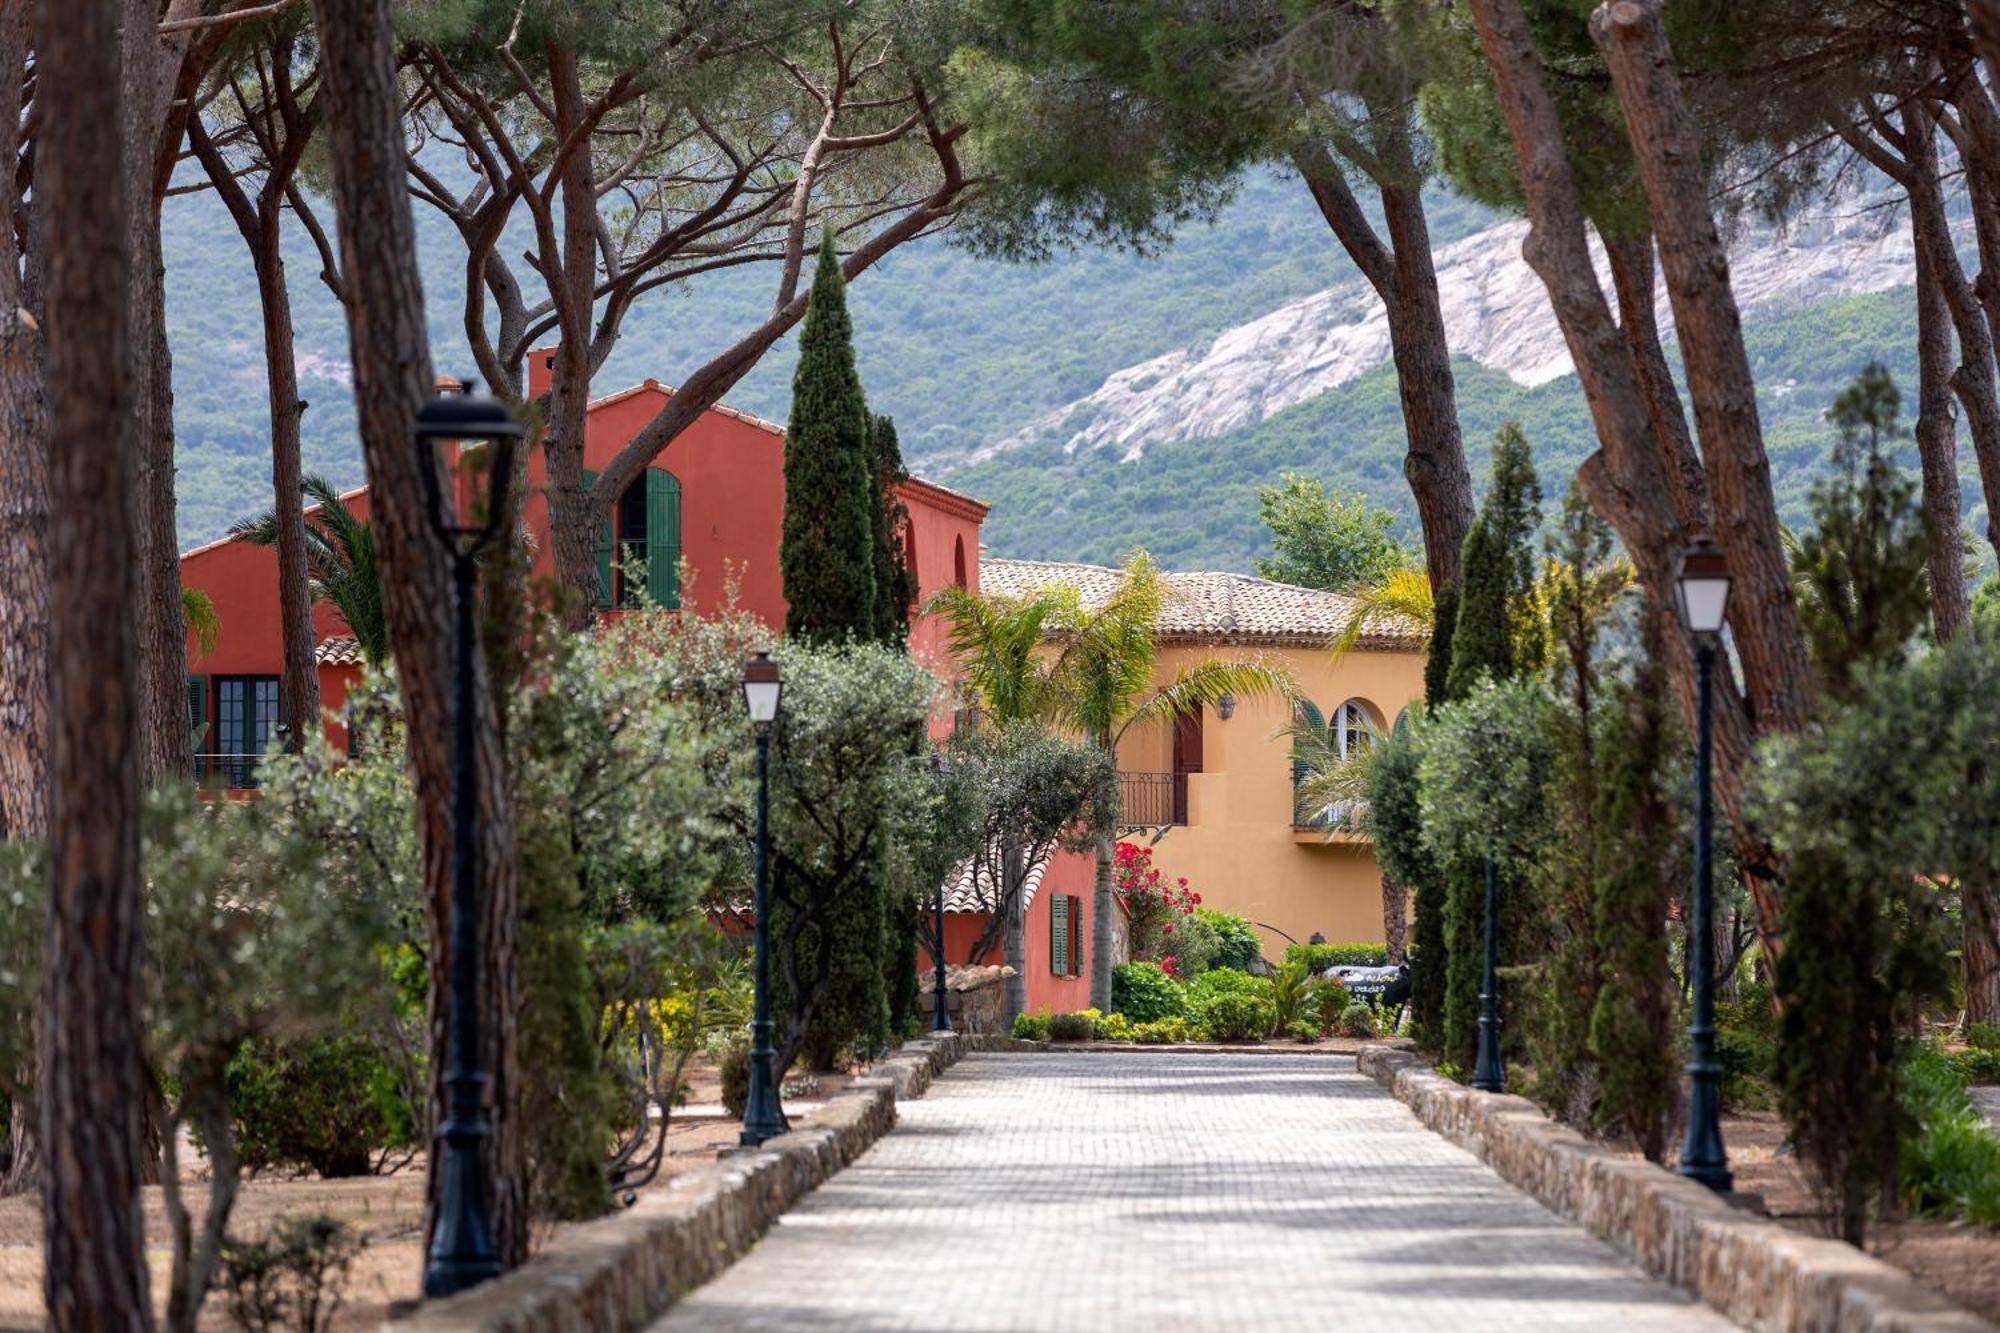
{"x":1154,"y":905}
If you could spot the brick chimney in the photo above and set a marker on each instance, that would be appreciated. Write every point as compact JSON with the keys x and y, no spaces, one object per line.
{"x":541,"y":369}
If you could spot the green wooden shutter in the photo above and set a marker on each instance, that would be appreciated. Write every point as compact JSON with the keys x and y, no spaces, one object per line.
{"x":1309,"y":719}
{"x":604,"y":544}
{"x":1075,"y":936}
{"x":198,"y":710}
{"x":663,"y":538}
{"x":1059,"y":934}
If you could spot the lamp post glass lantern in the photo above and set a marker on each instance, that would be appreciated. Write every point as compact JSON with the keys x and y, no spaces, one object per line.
{"x":462,"y":1252}
{"x":763,"y":1118}
{"x":1703,"y":591}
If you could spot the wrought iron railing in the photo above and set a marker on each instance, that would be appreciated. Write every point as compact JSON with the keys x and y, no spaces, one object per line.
{"x":233,"y":771}
{"x":1151,"y":800}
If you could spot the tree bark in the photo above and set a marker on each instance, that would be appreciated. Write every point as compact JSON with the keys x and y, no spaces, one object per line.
{"x":1014,"y":939}
{"x":1103,"y":945}
{"x":1982,"y":950}
{"x":1395,"y":919}
{"x":1405,"y":278}
{"x":1937,"y":452}
{"x":1986,"y":33}
{"x":574,"y":546}
{"x":93,"y":1086}
{"x":1627,"y":478}
{"x":1631,"y":263}
{"x":1764,"y":622}
{"x":389,"y":346}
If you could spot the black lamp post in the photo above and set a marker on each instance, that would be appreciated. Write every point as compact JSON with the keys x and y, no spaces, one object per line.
{"x":1704,"y":602}
{"x":762,"y":1117}
{"x":462,"y":1252}
{"x":1488,"y":1073}
{"x":940,"y":1004}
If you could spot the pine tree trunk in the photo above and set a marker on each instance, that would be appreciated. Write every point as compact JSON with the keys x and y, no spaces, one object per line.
{"x":389,"y":347}
{"x":1631,"y":264}
{"x":1763,"y":620}
{"x":24,"y":574}
{"x":93,"y":1086}
{"x":1973,"y":381}
{"x":1627,"y":479}
{"x":1982,"y":950}
{"x":1014,"y":940}
{"x":298,"y":688}
{"x":1405,"y":278}
{"x":1937,"y":452}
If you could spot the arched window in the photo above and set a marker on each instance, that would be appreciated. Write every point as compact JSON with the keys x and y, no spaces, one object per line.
{"x":1354,"y":728}
{"x":958,"y":562}
{"x":910,"y":555}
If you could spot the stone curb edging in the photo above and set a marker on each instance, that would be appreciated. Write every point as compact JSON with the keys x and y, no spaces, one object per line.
{"x":1759,"y":1274}
{"x":625,"y":1270}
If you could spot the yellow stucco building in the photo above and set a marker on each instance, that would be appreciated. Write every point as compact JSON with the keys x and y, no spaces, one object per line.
{"x":1213,"y":796}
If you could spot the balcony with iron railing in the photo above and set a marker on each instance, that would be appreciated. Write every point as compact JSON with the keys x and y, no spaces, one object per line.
{"x":227,"y":772}
{"x":1151,"y":800}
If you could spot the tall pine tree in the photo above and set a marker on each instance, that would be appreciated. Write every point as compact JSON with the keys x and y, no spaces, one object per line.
{"x":826,"y":554}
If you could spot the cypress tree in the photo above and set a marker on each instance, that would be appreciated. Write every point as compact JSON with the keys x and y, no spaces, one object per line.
{"x":826,"y":553}
{"x":1632,"y":1025}
{"x":1437,"y":666}
{"x":895,"y":586}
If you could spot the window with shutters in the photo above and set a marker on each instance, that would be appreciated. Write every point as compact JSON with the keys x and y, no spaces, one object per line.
{"x":246,"y":717}
{"x":645,"y":531}
{"x":1076,"y":937}
{"x":198,"y":711}
{"x":1059,"y":934}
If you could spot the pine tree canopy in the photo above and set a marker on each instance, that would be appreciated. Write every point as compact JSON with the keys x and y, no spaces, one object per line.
{"x":827,"y":551}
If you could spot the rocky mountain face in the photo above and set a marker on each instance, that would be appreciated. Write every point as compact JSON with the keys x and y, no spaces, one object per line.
{"x":1496,"y":312}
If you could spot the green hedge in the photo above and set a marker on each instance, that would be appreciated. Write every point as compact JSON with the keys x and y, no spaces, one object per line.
{"x":1146,"y":994}
{"x":1319,"y":957}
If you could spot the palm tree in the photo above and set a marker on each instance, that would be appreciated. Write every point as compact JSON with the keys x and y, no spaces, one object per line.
{"x":1096,"y":683}
{"x":340,"y":564}
{"x":1400,"y":595}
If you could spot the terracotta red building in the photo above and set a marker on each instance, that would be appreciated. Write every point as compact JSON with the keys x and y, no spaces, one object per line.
{"x":704,"y":515}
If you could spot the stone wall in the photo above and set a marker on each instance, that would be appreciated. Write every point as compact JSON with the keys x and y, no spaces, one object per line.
{"x":623,"y":1271}
{"x":1758,"y":1273}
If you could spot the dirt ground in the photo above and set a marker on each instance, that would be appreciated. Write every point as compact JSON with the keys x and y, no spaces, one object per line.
{"x":387,"y":1211}
{"x":1961,"y":1260}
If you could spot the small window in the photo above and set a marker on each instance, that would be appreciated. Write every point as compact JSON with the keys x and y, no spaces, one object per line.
{"x":1354,"y":729}
{"x":958,"y":563}
{"x":246,"y":717}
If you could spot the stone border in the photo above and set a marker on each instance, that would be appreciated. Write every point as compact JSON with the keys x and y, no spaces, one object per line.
{"x":1760,"y":1274}
{"x":625,"y":1270}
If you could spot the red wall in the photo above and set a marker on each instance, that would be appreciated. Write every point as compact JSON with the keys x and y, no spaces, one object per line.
{"x":1071,"y":873}
{"x":731,"y":469}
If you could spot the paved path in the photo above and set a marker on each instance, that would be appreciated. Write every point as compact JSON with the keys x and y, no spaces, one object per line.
{"x":1177,"y":1192}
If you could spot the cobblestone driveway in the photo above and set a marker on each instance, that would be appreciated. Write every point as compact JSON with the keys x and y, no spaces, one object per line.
{"x":1168,"y":1192}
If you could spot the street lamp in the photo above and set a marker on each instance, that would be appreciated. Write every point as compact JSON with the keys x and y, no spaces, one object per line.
{"x":462,"y":1252}
{"x":1488,"y":1073}
{"x":762,"y":1117}
{"x":1703,"y":592}
{"x":940,"y":1005}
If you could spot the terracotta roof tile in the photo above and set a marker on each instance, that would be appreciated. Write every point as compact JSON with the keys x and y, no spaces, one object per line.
{"x":962,"y":894}
{"x":338,"y":650}
{"x":1216,"y":605}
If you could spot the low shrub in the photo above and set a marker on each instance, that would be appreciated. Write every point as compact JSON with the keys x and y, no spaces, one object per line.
{"x":1329,"y":1000}
{"x":1319,"y":957}
{"x":1983,"y":1036}
{"x":1162,"y":1033}
{"x":1746,"y":1044}
{"x":1976,"y":1066}
{"x":1237,"y":1016}
{"x":1357,"y":1020}
{"x":1145,"y":994}
{"x":1951,"y":1165}
{"x":1304,"y":1031}
{"x":1190,"y":944}
{"x":1237,"y":943}
{"x":1291,"y":995}
{"x":328,"y":1105}
{"x":1079,"y":1026}
{"x":735,"y":1080}
{"x":291,"y":1279}
{"x":1032,"y":1027}
{"x":1114,"y":1027}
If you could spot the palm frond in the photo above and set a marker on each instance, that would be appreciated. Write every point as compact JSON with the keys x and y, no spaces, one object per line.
{"x":1203,"y":684}
{"x":199,"y":612}
{"x":1401,"y":595}
{"x":997,"y":642}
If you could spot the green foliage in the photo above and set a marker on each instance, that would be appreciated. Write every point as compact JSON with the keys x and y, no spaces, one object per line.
{"x":1746,"y":1041}
{"x":1238,"y":944}
{"x":1292,"y":994}
{"x":324,"y":1104}
{"x":1161,"y":1032}
{"x":895,"y":583}
{"x":1437,"y":657}
{"x":1146,"y":994}
{"x":1357,"y":1020}
{"x":1113,"y":1027}
{"x":1983,"y":1036}
{"x":1319,"y":957}
{"x":1305,"y":1031}
{"x":1493,"y":638}
{"x":1237,"y":1017}
{"x":1319,"y":541}
{"x":1192,"y":943}
{"x":1861,"y":574}
{"x":1078,"y":1026}
{"x":1950,"y":1166}
{"x":735,"y":1070}
{"x":1636,"y":836}
{"x":340,"y":564}
{"x":1330,"y":1000}
{"x":1976,"y":1066}
{"x":828,"y":549}
{"x":1037,"y":1026}
{"x":291,"y":1280}
{"x":1394,"y":818}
